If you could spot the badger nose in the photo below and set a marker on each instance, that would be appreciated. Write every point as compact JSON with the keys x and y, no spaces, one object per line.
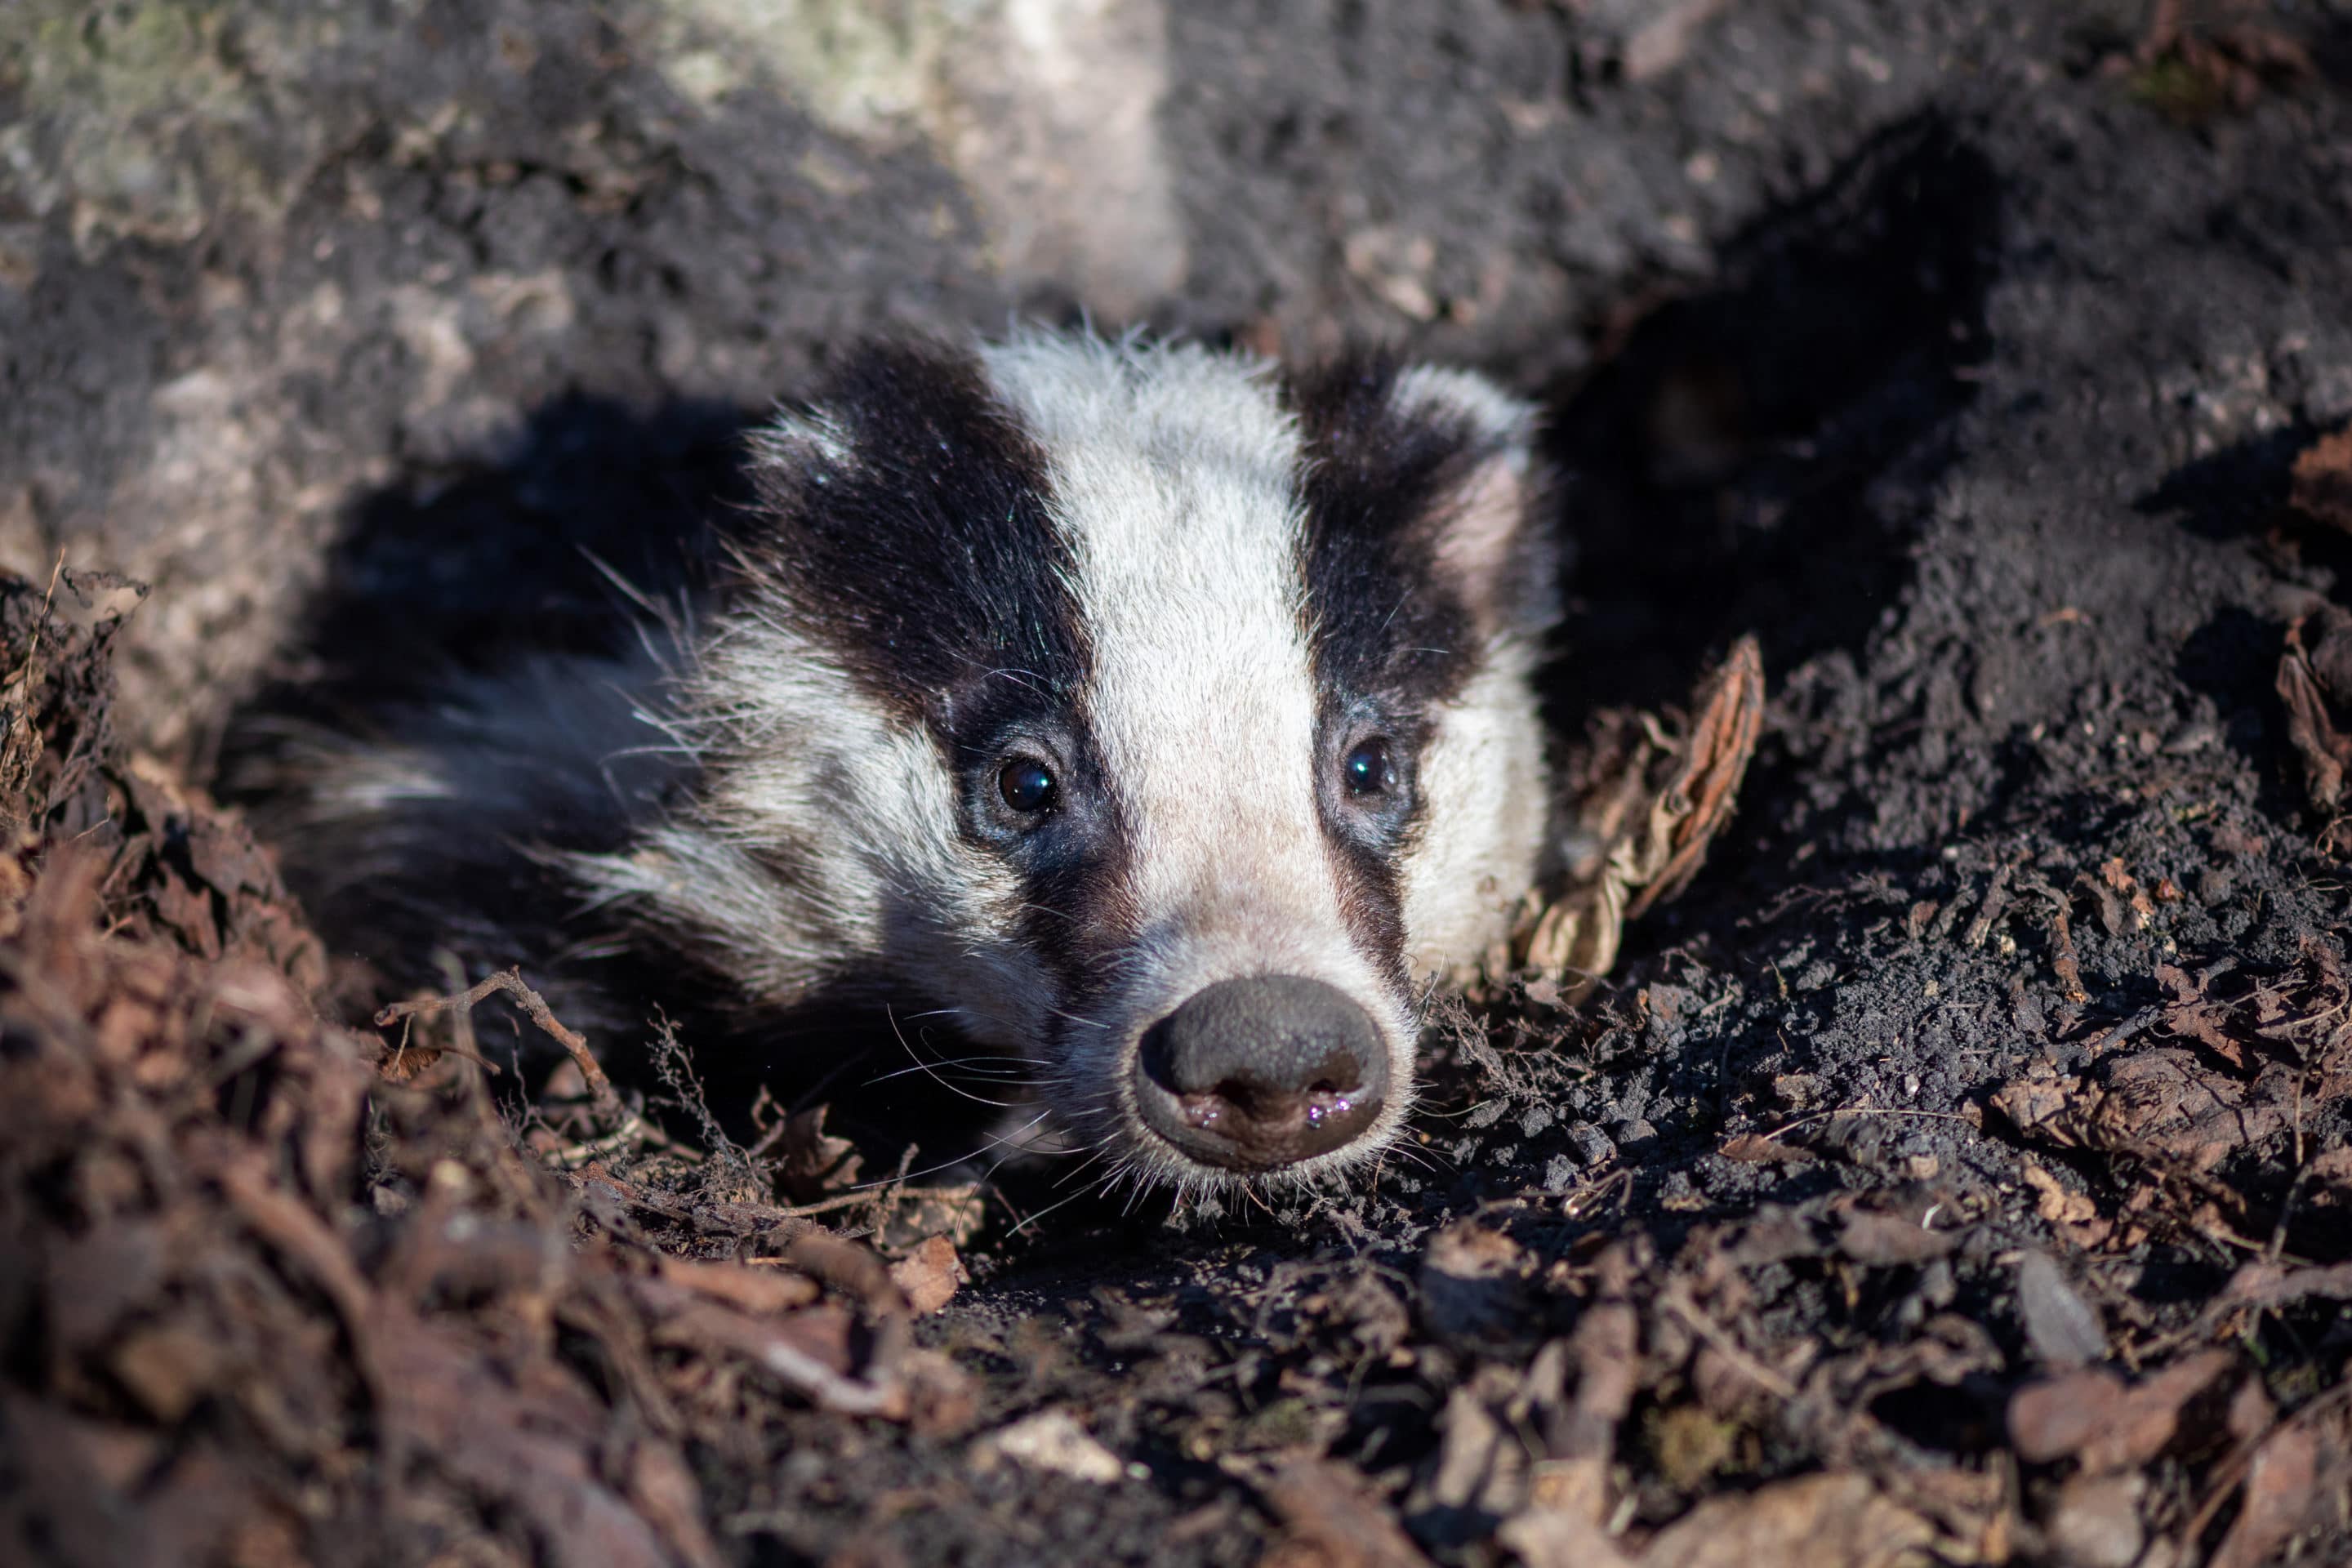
{"x":1257,"y":1073}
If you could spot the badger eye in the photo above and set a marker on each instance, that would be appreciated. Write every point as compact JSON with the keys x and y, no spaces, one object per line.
{"x":1369,"y":769}
{"x":1025,"y":784}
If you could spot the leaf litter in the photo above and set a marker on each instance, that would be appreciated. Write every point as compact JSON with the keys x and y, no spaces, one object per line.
{"x":280,"y":1284}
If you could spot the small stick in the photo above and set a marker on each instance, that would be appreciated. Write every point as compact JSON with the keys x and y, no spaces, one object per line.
{"x":1865,"y":1111}
{"x":2063,"y":959}
{"x":575,"y":1155}
{"x":851,"y":1200}
{"x":534,"y":1007}
{"x":33,"y":645}
{"x":2124,"y":1031}
{"x":1675,"y":1301}
{"x":1996,"y":903}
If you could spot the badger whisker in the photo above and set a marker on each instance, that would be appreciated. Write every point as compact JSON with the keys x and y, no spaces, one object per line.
{"x":1048,"y":1209}
{"x":992,"y":1141}
{"x":1075,"y":1172}
{"x":935,"y":1075}
{"x":1013,"y":1075}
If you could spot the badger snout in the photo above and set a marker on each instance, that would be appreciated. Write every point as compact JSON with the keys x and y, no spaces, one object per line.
{"x":1261,"y":1072}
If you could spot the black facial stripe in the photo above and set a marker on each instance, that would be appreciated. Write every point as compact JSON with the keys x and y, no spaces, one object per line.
{"x":1372,"y":902}
{"x":1370,"y":890}
{"x":1384,"y":620}
{"x":926,"y":558}
{"x":1079,"y":913}
{"x":1388,"y":630}
{"x":1366,"y":842}
{"x":1072,"y":857}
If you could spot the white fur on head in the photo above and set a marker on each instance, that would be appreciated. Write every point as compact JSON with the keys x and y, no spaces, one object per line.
{"x":1173,"y":473}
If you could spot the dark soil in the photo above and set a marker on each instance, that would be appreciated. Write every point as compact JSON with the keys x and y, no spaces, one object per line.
{"x":1960,"y":1170}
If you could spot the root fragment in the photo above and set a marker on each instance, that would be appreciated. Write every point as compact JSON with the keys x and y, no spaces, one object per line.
{"x":534,"y":1007}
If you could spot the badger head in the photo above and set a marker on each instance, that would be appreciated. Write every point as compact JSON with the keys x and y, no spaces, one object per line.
{"x":1161,"y":719}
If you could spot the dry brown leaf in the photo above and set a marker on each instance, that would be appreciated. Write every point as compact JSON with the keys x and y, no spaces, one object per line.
{"x":1482,"y":1467}
{"x":2064,"y":1329}
{"x":2313,"y":680}
{"x":2094,"y":1522}
{"x":2092,"y":1416}
{"x":1607,"y":1344}
{"x":1649,"y":799}
{"x":908,"y":1216}
{"x":2054,"y":1418}
{"x":1890,"y":1240}
{"x":1328,"y":1522}
{"x":2039,"y":1105}
{"x":816,"y":1164}
{"x":1053,"y":1440}
{"x":2322,"y":489}
{"x":2283,"y":1497}
{"x":2169,"y":1101}
{"x":2053,"y":1202}
{"x":755,"y":1289}
{"x":2275,"y":1285}
{"x":1698,"y":801}
{"x":1557,"y":1537}
{"x":1841,"y":1519}
{"x":929,"y":1275}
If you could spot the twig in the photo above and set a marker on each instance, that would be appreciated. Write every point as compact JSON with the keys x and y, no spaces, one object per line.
{"x":574,"y":1156}
{"x":1865,"y":1110}
{"x":2124,"y":1031}
{"x":2232,"y":1469}
{"x":534,"y":1007}
{"x":1674,"y":1301}
{"x":1996,"y":903}
{"x":896,"y":1188}
{"x":2063,"y":959}
{"x":880,"y":1196}
{"x":33,"y":643}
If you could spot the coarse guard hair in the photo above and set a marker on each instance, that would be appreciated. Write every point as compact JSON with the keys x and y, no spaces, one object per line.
{"x":1160,"y":717}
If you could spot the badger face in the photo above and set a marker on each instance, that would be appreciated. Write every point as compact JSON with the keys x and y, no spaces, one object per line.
{"x":1163,"y":720}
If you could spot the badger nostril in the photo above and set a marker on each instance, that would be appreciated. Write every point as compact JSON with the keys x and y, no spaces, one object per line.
{"x":1261,"y":1072}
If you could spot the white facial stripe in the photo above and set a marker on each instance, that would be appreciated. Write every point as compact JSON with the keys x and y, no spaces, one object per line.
{"x":821,"y":770}
{"x":1171,"y":472}
{"x":1484,"y":804}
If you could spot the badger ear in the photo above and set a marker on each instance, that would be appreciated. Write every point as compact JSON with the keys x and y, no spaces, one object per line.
{"x":1489,"y":522}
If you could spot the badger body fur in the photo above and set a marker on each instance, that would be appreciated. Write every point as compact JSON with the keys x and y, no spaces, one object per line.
{"x":1160,"y":719}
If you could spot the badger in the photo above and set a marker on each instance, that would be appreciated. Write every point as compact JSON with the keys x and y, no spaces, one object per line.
{"x":1160,"y":719}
